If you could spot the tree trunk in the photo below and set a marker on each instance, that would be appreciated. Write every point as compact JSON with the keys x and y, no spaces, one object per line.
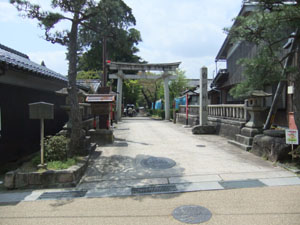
{"x":72,"y":89}
{"x":149,"y":103}
{"x":296,"y":96}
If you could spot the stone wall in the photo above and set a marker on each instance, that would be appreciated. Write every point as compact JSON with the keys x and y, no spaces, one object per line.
{"x":193,"y":115}
{"x":271,"y":145}
{"x":225,"y":127}
{"x":192,"y":119}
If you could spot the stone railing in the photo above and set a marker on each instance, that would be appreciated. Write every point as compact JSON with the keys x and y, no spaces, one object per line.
{"x":193,"y":109}
{"x":228,"y":111}
{"x":225,"y":111}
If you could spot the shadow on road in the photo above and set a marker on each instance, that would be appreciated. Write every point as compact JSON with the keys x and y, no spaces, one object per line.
{"x":119,"y":171}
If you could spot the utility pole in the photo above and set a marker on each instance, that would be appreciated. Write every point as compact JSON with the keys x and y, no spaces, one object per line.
{"x":104,"y":78}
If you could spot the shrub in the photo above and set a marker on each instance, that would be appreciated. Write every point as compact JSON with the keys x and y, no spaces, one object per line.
{"x":150,"y":112}
{"x":36,"y":160}
{"x":162,"y":114}
{"x":56,"y":148}
{"x":295,"y":154}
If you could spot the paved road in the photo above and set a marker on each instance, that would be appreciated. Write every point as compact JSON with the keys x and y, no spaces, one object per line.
{"x":203,"y":162}
{"x":253,"y":206}
{"x":256,"y":191}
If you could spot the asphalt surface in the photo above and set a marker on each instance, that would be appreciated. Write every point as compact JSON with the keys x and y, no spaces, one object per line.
{"x":250,"y":206}
{"x":237,"y":187}
{"x":205,"y":159}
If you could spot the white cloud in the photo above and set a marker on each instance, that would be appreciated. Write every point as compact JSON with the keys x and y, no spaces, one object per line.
{"x":54,"y":60}
{"x":188,"y":31}
{"x":8,"y":13}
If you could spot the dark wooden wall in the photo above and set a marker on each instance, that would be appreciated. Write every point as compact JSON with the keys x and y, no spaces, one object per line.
{"x":235,"y":70}
{"x":20,"y":136}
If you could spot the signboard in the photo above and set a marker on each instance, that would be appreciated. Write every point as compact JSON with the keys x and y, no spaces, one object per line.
{"x":100,"y":109}
{"x":41,"y":110}
{"x":100,"y":98}
{"x":292,"y":137}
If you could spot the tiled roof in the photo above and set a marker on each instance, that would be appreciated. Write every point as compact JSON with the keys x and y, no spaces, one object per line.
{"x":21,"y":61}
{"x":92,"y":83}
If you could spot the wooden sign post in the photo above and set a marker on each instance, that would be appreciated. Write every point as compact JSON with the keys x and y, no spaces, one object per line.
{"x":42,"y":111}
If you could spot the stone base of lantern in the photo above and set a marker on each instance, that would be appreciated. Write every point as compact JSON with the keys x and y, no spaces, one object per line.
{"x":101,"y":136}
{"x":245,"y":139}
{"x":204,"y":129}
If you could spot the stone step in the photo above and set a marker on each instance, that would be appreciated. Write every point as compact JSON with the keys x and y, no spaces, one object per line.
{"x":241,"y":146}
{"x":243,"y":139}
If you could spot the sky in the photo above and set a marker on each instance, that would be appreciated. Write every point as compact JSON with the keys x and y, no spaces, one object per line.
{"x":187,"y":31}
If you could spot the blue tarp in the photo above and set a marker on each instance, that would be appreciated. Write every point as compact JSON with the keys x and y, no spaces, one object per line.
{"x":158,"y":104}
{"x":179,"y":101}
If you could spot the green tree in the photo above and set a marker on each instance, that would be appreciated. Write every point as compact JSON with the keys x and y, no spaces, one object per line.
{"x":131,"y":91}
{"x":269,"y":27}
{"x":114,"y":28}
{"x":77,"y":12}
{"x":179,"y":85}
{"x":151,"y":90}
{"x":90,"y":74}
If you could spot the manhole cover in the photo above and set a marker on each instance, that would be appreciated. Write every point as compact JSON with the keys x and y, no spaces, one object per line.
{"x":200,"y":146}
{"x":192,"y":214}
{"x":158,"y":163}
{"x":63,"y":194}
{"x":154,"y":189}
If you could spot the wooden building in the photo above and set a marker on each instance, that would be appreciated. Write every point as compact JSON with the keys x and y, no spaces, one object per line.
{"x":22,"y":82}
{"x":231,"y":52}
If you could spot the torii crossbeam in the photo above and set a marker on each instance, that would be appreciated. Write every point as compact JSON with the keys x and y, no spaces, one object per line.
{"x":166,"y":68}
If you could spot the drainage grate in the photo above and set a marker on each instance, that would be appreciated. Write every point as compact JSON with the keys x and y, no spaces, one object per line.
{"x":63,"y":194}
{"x":158,"y":163}
{"x":241,"y":184}
{"x":154,"y":189}
{"x":192,"y":214}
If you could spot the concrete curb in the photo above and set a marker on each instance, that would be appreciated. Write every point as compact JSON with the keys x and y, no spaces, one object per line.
{"x":48,"y":179}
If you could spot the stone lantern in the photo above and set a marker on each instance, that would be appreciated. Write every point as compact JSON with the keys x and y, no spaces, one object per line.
{"x":84,"y":107}
{"x":256,"y":107}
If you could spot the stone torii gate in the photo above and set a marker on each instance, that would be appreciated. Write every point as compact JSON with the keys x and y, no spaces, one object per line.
{"x":166,"y":68}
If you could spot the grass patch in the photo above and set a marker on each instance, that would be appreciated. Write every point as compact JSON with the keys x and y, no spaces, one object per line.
{"x":60,"y":165}
{"x":31,"y":166}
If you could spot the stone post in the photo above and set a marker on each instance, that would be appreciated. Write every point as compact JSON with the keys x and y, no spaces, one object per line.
{"x":203,"y":127}
{"x":203,"y":97}
{"x":167,"y":98}
{"x":120,"y":97}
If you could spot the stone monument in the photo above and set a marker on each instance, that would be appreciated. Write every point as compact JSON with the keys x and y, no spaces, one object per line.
{"x":203,"y":127}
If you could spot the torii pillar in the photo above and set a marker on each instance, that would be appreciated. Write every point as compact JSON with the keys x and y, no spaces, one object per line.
{"x":167,"y":95}
{"x":165,"y":67}
{"x":120,"y":97}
